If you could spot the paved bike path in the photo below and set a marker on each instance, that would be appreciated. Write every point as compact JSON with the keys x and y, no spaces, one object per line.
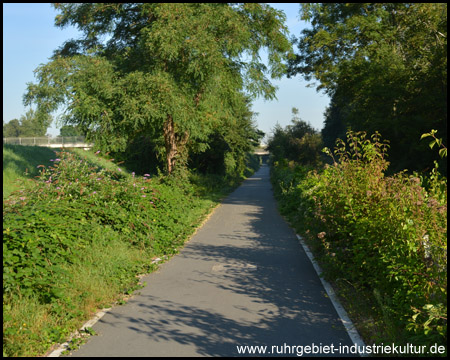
{"x":243,"y":279}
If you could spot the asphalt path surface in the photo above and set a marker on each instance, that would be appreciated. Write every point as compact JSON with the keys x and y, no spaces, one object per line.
{"x":242,"y":280}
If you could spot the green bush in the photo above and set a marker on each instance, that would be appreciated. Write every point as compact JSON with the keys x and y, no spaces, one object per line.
{"x":54,"y":220}
{"x":384,"y":234}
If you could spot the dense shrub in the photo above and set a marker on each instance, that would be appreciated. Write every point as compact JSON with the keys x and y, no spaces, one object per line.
{"x":51,"y":222}
{"x":386,"y":234}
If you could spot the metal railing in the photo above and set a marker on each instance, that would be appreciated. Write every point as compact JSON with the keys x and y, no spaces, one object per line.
{"x":58,"y":141}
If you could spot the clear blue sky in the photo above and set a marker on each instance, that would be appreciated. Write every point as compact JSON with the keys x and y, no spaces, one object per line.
{"x":29,"y":38}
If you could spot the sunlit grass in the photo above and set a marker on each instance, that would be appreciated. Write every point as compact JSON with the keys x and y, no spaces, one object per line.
{"x":19,"y":160}
{"x":91,"y":286}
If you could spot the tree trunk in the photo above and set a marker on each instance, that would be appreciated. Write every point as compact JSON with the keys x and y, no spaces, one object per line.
{"x":171,"y":145}
{"x":174,"y":144}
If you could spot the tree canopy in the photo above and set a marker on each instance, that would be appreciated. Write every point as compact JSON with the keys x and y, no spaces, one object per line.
{"x":27,"y":126}
{"x":176,"y":72}
{"x":298,"y":142}
{"x":70,"y":130}
{"x":384,"y":66}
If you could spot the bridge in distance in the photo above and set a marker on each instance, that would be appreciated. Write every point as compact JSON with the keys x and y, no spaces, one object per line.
{"x":71,"y":142}
{"x":51,"y":142}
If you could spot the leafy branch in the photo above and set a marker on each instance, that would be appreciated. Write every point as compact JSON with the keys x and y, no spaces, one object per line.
{"x":436,"y":141}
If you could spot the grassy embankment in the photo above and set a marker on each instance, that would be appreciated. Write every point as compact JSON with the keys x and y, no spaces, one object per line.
{"x":76,"y":237}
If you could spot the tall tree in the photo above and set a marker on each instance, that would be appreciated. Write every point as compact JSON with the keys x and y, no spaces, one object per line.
{"x":230,"y":142}
{"x":385,"y":66}
{"x":11,"y":128}
{"x":334,"y":127}
{"x":29,"y":125}
{"x":170,"y":71}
